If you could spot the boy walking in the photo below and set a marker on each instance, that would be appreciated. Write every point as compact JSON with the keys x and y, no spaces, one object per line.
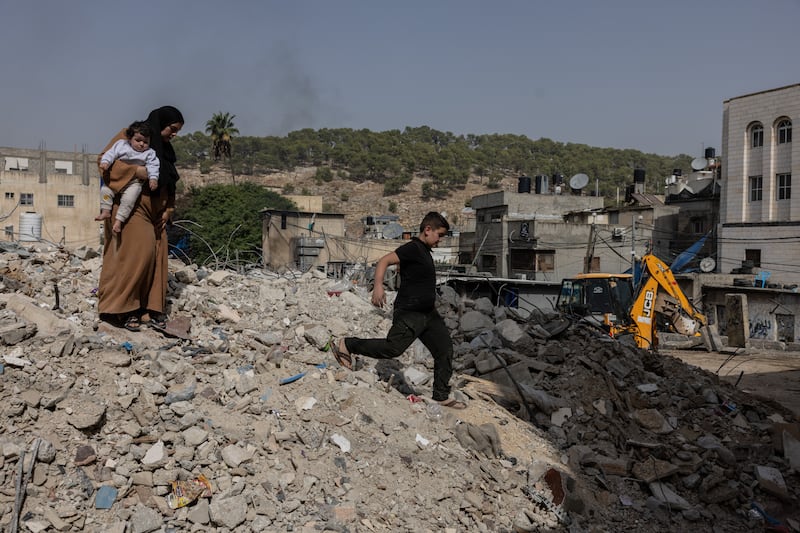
{"x":415,"y":315}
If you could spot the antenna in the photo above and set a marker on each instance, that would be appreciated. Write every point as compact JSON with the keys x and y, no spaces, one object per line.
{"x":578,"y":182}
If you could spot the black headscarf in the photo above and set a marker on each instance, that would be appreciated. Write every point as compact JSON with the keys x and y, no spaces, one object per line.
{"x":159,"y":119}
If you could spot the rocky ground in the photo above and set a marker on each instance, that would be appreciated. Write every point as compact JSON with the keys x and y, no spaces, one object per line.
{"x":565,"y":429}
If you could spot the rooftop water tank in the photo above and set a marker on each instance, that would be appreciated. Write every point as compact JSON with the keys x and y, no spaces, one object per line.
{"x":524,"y":185}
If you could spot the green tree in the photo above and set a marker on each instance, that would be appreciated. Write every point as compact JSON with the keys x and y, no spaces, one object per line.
{"x":222,"y":130}
{"x":323,"y":174}
{"x":226,"y":221}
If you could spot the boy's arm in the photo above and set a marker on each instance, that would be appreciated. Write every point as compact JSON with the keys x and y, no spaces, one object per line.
{"x":378,"y":294}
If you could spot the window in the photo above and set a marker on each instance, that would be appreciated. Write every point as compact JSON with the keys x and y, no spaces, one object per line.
{"x":757,"y":136}
{"x":63,"y":167}
{"x":522,"y":259}
{"x":545,"y":262}
{"x":66,"y":200}
{"x":784,"y":186}
{"x":9,"y":232}
{"x":26,"y":198}
{"x":754,"y":256}
{"x":489,"y":262}
{"x":756,"y":185}
{"x":784,"y":131}
{"x":9,"y":196}
{"x":16,"y":163}
{"x":698,"y":225}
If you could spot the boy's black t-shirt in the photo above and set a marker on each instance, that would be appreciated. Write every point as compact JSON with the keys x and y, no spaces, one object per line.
{"x":417,"y":277}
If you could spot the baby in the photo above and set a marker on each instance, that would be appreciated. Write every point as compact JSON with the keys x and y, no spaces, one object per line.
{"x":135,"y":149}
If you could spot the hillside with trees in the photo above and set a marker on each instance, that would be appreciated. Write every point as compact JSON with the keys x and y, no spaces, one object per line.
{"x":444,"y":160}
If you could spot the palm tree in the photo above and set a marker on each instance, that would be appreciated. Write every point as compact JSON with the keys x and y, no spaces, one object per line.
{"x":221,"y":129}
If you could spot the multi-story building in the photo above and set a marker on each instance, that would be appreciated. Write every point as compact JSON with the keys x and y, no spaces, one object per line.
{"x":50,"y":196}
{"x":523,"y":235}
{"x":759,"y":215}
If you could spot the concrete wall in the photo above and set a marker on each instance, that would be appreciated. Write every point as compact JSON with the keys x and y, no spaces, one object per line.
{"x":77,"y":182}
{"x":773,"y":315}
{"x":284,"y":233}
{"x":530,"y":203}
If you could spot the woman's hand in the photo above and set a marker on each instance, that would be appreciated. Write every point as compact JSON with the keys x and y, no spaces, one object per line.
{"x":164,"y":220}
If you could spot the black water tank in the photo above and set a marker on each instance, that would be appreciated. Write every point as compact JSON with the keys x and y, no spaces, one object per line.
{"x":628,"y":194}
{"x":638,"y":175}
{"x":558,"y":179}
{"x":524,"y":184}
{"x":710,"y":153}
{"x":540,"y":184}
{"x":676,"y":172}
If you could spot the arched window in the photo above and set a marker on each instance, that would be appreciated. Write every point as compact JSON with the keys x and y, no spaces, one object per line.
{"x":784,"y":131}
{"x":756,"y":136}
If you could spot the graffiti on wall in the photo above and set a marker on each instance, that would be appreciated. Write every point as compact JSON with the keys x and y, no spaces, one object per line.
{"x":760,"y":327}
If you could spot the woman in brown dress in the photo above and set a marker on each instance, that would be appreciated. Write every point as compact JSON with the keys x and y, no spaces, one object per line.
{"x":133,"y":280}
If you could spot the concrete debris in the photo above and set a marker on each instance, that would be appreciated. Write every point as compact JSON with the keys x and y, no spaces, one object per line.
{"x":565,"y":428}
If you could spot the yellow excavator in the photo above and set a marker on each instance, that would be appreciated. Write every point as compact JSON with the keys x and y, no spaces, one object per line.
{"x":611,"y":301}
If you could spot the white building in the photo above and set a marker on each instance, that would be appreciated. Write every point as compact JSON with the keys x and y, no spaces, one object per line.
{"x":759,"y":215}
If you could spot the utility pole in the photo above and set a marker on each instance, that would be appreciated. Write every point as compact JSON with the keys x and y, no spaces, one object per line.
{"x":587,"y":262}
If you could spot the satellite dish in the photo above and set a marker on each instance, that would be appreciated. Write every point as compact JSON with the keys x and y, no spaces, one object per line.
{"x":699,"y":163}
{"x":578,"y":182}
{"x":707,"y":264}
{"x":392,"y":231}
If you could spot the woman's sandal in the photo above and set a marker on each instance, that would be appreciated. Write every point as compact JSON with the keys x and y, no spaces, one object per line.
{"x":452,"y":403}
{"x":158,"y":321}
{"x":132,"y":323}
{"x":343,"y":358}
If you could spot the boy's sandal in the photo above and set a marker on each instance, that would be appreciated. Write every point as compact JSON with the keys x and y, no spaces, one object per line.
{"x":132,"y":323}
{"x":452,"y":403}
{"x":342,"y":358}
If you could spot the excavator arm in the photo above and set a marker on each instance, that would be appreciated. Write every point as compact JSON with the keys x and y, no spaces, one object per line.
{"x":660,"y":294}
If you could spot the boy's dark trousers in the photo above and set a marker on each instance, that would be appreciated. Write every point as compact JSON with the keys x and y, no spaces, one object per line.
{"x":429,"y":328}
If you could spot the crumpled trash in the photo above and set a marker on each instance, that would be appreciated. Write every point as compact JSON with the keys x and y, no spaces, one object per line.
{"x":185,"y":492}
{"x":339,"y":287}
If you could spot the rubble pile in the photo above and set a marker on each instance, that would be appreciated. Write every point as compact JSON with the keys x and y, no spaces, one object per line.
{"x":238,"y":418}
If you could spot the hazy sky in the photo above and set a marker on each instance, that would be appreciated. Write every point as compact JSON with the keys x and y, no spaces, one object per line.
{"x":649,"y":75}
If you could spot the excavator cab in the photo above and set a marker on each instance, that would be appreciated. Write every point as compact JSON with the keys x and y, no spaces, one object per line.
{"x":604,"y":298}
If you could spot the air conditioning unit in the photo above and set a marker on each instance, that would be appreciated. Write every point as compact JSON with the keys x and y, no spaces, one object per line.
{"x":617,"y":234}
